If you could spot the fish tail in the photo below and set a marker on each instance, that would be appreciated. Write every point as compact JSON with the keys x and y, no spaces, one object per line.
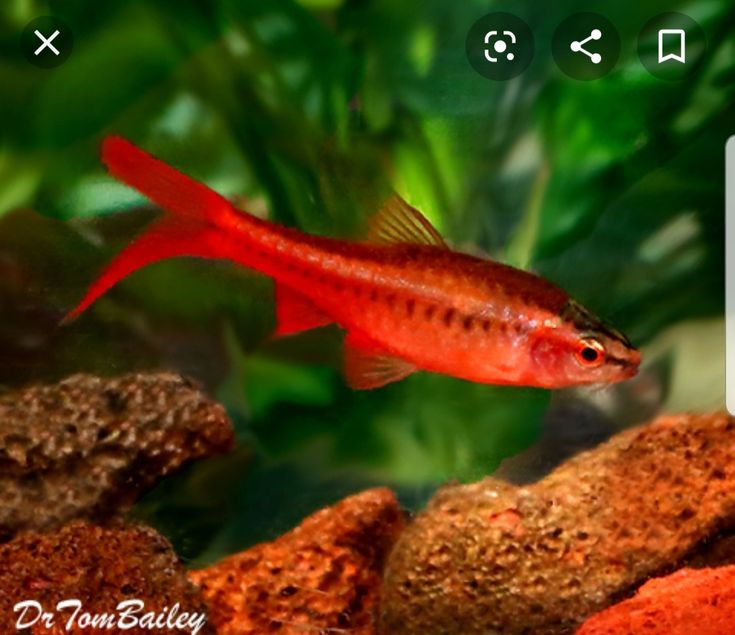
{"x":195,"y":214}
{"x":166,"y":238}
{"x":165,"y":186}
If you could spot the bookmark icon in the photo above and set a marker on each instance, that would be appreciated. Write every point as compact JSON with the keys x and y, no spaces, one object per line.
{"x":672,"y":45}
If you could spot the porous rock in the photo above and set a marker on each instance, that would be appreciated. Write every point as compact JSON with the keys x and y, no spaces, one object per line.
{"x":700,"y":601}
{"x":100,"y":567}
{"x":322,"y":577}
{"x":490,"y":558}
{"x":87,"y":447}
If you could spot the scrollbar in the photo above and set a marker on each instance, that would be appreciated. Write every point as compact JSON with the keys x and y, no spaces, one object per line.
{"x":730,"y":273}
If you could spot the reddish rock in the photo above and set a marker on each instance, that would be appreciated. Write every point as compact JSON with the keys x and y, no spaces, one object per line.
{"x":490,"y":557}
{"x":88,"y":447}
{"x":690,"y":601}
{"x":100,"y":567}
{"x":322,"y":577}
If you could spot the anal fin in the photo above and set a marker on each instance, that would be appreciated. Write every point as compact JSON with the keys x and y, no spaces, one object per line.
{"x":366,"y":368}
{"x":296,"y":313}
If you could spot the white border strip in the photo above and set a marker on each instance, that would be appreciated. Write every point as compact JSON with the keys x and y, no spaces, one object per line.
{"x":730,"y":272}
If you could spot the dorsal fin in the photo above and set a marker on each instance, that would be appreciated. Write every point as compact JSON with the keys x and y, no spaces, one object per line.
{"x":397,"y":222}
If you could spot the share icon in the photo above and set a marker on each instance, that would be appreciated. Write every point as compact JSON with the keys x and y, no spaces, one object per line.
{"x":578,"y":46}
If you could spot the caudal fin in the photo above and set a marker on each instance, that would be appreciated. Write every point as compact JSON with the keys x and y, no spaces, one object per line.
{"x":165,"y":186}
{"x":194,"y":212}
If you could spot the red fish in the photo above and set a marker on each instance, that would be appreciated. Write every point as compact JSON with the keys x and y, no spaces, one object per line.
{"x":406,"y":301}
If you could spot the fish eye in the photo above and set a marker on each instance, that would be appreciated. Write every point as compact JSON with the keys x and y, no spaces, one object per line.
{"x":590,"y":352}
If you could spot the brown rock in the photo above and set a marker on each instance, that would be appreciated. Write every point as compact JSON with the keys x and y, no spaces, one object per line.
{"x":100,"y":567}
{"x":493,"y":558}
{"x":686,"y":602}
{"x":88,"y":447}
{"x":323,"y":576}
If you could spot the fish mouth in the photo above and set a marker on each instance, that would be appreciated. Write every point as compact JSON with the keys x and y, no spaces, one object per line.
{"x":627,"y":365}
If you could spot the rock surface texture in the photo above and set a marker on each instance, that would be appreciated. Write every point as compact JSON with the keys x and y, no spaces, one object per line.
{"x":100,"y":567}
{"x":688,"y":602}
{"x":322,"y":577}
{"x":88,"y":447}
{"x":492,"y":558}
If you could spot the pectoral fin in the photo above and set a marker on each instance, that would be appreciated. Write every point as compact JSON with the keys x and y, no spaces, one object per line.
{"x":366,"y":367}
{"x":295,"y":312}
{"x":397,"y":222}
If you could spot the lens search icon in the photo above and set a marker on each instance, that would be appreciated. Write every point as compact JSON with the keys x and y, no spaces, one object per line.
{"x":675,"y":42}
{"x":500,"y":46}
